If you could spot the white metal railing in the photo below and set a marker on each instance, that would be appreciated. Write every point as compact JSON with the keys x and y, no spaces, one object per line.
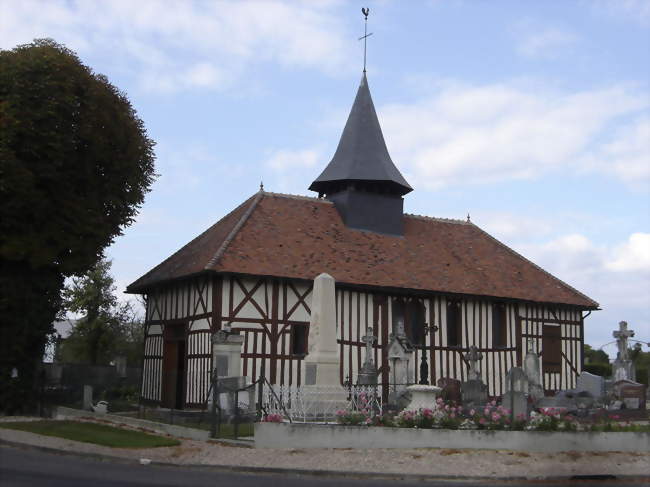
{"x":319,"y":403}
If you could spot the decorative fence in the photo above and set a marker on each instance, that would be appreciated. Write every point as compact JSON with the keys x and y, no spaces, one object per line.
{"x":318,"y":403}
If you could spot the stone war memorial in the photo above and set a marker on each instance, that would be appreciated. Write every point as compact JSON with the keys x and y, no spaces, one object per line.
{"x":342,"y":308}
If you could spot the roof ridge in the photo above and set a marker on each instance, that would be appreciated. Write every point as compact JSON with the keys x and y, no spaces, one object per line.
{"x":297,"y":197}
{"x":514,"y":252}
{"x":436,"y":219}
{"x":188,"y":243}
{"x":231,"y":235}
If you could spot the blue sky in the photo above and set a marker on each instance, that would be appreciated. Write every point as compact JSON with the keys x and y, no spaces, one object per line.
{"x":534,"y":117}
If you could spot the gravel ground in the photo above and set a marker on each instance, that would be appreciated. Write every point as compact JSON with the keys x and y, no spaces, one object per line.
{"x":435,"y":462}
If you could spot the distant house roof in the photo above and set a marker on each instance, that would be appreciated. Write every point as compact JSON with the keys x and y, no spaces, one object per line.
{"x":299,"y":237}
{"x":361,"y":154}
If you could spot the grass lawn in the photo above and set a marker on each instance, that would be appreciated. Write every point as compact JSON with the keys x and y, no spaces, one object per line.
{"x":98,"y":434}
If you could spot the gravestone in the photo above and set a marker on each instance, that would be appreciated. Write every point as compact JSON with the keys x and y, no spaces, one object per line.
{"x":516,"y":380}
{"x":473,"y":390}
{"x":584,"y":400}
{"x":226,"y":357}
{"x":400,"y":359}
{"x":516,"y":402}
{"x":623,"y":367}
{"x":232,"y":392}
{"x":368,"y":374}
{"x":533,"y":372}
{"x":560,"y":402}
{"x":593,"y":384}
{"x":88,"y":398}
{"x":474,"y":393}
{"x":450,"y":389}
{"x":630,"y":393}
{"x":226,"y":353}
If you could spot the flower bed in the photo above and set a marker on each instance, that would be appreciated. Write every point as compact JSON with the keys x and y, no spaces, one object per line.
{"x":489,"y":417}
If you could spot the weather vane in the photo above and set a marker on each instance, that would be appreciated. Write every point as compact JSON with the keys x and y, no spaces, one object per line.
{"x":365,"y":11}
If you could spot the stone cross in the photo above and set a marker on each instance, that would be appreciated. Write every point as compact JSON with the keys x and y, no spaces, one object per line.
{"x":473,"y":357}
{"x":369,"y":339}
{"x":621,"y":340}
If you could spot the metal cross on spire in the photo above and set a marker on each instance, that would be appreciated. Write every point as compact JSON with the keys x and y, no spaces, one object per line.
{"x":365,"y":11}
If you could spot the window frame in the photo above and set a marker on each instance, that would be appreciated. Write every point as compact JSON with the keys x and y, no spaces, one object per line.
{"x":454,"y":329}
{"x":499,"y":325}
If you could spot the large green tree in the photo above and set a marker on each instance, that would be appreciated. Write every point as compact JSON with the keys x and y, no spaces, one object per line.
{"x":75,"y":165}
{"x":107,"y":327}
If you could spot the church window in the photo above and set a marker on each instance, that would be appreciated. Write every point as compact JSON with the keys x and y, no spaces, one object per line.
{"x":499,"y":325}
{"x":398,"y":313}
{"x":454,"y":323}
{"x":551,"y":348}
{"x":299,"y":340}
{"x":415,"y":322}
{"x":409,"y":319}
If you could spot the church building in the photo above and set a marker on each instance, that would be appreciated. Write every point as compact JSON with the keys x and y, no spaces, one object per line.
{"x":447,"y":283}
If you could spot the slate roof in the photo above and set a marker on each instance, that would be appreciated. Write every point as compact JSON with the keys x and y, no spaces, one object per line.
{"x":299,"y":237}
{"x":362,"y":154}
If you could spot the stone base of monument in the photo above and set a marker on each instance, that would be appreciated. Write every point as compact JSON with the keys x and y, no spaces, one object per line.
{"x":423,"y":397}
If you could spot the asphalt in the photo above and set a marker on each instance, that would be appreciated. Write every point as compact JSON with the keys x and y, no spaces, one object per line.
{"x":34,"y":466}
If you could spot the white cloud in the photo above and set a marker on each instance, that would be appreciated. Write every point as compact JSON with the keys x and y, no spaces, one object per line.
{"x":626,"y":154}
{"x":543,"y":42}
{"x":177,"y":45}
{"x":283,"y":160}
{"x":483,"y":134}
{"x":633,"y":255}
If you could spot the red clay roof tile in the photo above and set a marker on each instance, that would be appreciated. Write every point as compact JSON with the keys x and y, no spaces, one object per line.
{"x":299,"y":237}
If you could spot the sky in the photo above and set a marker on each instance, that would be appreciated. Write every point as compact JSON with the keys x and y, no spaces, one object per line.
{"x":533,"y":117}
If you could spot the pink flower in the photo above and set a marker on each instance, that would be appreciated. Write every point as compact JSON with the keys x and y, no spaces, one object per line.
{"x":482,"y":421}
{"x":472,"y":412}
{"x":495,"y":417}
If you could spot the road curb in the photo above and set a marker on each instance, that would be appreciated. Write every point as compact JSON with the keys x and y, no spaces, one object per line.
{"x":301,"y":472}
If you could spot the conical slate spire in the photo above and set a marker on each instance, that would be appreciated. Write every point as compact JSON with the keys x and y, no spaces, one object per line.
{"x":361,"y":155}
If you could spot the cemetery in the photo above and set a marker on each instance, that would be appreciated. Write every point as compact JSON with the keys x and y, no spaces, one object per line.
{"x":342,"y":321}
{"x":596,"y":415}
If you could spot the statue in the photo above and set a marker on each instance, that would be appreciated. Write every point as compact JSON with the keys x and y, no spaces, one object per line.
{"x":472,"y":357}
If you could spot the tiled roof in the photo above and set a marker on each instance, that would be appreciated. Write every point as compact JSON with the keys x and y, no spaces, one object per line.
{"x":299,"y":237}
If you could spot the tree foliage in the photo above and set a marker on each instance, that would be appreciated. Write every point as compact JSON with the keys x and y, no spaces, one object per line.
{"x":107,"y":328}
{"x":75,"y":165}
{"x":597,"y":356}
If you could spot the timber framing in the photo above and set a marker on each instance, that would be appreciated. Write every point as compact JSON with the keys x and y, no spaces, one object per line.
{"x":265,"y":310}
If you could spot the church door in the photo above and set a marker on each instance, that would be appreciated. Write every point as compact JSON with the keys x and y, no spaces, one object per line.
{"x":174,"y":366}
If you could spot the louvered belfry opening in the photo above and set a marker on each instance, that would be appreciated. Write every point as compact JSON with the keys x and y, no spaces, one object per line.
{"x":361,"y":179}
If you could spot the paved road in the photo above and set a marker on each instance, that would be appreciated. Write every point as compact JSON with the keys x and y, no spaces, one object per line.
{"x":30,"y":468}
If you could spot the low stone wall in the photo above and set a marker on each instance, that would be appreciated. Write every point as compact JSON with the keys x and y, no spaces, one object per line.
{"x":169,"y":429}
{"x":300,"y":435}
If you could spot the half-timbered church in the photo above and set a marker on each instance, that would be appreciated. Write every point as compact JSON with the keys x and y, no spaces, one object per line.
{"x":446,"y":283}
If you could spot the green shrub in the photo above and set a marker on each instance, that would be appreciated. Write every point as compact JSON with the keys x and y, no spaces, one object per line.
{"x":604,"y":370}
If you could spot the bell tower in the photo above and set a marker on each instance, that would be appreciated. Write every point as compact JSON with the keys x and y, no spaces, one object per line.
{"x":361,"y":179}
